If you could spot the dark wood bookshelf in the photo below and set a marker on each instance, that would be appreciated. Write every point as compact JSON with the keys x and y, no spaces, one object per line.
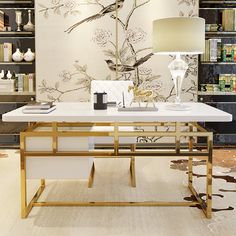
{"x":9,"y":132}
{"x":224,"y":133}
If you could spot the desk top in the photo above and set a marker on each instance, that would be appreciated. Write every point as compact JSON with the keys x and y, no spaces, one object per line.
{"x":83,"y":112}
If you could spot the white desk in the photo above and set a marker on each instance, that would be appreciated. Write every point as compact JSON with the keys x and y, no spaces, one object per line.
{"x":83,"y":112}
{"x":54,"y":137}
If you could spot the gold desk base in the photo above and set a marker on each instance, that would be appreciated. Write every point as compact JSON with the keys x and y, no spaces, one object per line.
{"x":176,"y":130}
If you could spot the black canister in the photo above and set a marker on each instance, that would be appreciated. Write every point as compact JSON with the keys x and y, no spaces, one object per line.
{"x":100,"y":101}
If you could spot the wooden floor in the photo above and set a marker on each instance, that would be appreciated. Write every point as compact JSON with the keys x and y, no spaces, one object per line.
{"x":156,"y":179}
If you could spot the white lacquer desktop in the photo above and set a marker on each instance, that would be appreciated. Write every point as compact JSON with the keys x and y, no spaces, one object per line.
{"x":83,"y":112}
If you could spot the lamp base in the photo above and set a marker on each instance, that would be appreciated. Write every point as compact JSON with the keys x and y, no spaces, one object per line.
{"x":178,"y":107}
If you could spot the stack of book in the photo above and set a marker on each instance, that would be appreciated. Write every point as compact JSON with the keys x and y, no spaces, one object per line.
{"x":39,"y":108}
{"x":6,"y":52}
{"x":25,"y":82}
{"x":212,"y":50}
{"x":2,"y":20}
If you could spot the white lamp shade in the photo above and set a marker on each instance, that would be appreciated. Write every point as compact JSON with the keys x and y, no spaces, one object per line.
{"x":179,"y":35}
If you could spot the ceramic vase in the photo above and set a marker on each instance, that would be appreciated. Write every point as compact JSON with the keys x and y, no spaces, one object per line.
{"x":9,"y":75}
{"x":2,"y":74}
{"x":29,"y":26}
{"x":29,"y":55}
{"x":17,"y":56}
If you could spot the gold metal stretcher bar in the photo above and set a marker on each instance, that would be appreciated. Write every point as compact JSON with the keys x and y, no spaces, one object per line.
{"x":177,"y":131}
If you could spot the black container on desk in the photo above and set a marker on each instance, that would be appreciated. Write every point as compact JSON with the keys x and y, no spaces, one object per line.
{"x":100,"y":101}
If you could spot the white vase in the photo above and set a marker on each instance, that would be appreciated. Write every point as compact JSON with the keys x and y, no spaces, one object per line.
{"x":29,"y":55}
{"x":17,"y":56}
{"x":2,"y":74}
{"x":9,"y":75}
{"x":29,"y":26}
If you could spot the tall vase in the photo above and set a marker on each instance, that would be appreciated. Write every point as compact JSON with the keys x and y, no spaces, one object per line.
{"x":29,"y":26}
{"x":18,"y":20}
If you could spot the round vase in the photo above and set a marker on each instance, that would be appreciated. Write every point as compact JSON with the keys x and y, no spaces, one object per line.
{"x":29,"y":55}
{"x":29,"y":26}
{"x":17,"y":56}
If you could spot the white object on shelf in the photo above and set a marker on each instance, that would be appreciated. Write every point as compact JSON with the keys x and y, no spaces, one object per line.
{"x":9,"y":75}
{"x":17,"y":56}
{"x":29,"y":56}
{"x":2,"y":74}
{"x":29,"y":26}
{"x":7,"y":85}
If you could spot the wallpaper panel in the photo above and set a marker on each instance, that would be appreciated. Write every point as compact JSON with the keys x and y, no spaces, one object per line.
{"x":76,"y":42}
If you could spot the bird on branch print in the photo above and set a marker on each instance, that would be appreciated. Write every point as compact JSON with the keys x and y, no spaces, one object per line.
{"x":127,"y":68}
{"x":106,"y":10}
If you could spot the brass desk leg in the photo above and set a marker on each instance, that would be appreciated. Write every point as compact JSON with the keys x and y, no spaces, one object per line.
{"x":132,"y":167}
{"x":42,"y":182}
{"x":209,"y":178}
{"x":190,"y":159}
{"x":91,"y":176}
{"x":23,"y":178}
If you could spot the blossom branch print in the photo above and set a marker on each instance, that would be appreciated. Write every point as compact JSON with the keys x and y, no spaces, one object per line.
{"x":187,"y":2}
{"x":58,"y":6}
{"x":80,"y":78}
{"x":103,"y":12}
{"x":68,"y":7}
{"x":135,"y":7}
{"x":133,"y":36}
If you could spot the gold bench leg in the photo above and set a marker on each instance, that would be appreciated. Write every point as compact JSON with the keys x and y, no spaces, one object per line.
{"x":91,"y":176}
{"x":132,"y":167}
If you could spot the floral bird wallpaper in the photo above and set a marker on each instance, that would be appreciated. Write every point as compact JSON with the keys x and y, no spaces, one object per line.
{"x":85,"y":40}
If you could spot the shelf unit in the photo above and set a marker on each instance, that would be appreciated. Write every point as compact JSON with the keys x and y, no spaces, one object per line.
{"x":17,"y":93}
{"x":16,"y":63}
{"x":16,"y":2}
{"x":202,"y":93}
{"x":224,"y":133}
{"x":217,"y":63}
{"x":9,"y":132}
{"x":18,"y":33}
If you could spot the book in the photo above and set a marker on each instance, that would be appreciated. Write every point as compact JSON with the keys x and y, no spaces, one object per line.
{"x":213,"y":50}
{"x":6,"y":20}
{"x":38,"y":111}
{"x":20,"y":82}
{"x":39,"y":105}
{"x":2,"y":23}
{"x":1,"y":52}
{"x":228,"y":20}
{"x":25,"y":83}
{"x":208,"y":51}
{"x":219,"y":49}
{"x":7,"y":52}
{"x":31,"y":82}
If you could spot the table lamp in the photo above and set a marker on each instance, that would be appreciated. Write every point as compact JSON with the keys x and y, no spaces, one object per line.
{"x":178,"y":36}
